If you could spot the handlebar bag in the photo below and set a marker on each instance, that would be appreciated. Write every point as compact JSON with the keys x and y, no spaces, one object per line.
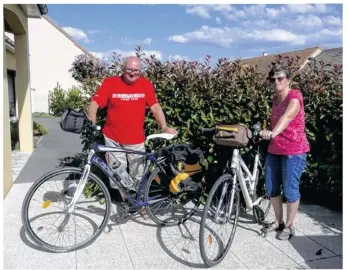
{"x":73,"y":121}
{"x":236,"y":135}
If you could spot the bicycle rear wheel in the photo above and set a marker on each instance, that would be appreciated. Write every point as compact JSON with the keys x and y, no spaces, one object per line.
{"x":217,"y":214}
{"x":69,"y":227}
{"x":172,"y":209}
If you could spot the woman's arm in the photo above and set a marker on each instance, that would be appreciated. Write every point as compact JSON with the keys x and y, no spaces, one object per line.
{"x":290,"y":113}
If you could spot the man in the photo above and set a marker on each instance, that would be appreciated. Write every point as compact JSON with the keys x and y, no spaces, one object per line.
{"x":127,"y":97}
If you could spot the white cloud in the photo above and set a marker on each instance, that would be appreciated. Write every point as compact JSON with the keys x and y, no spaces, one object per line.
{"x":178,"y":39}
{"x":272,"y":12}
{"x":320,"y":8}
{"x":223,"y":8}
{"x":123,"y":53}
{"x":237,"y":12}
{"x":278,"y":35}
{"x":177,"y":57}
{"x":309,"y":21}
{"x":298,"y":8}
{"x":227,"y":37}
{"x":93,"y":32}
{"x":200,"y":10}
{"x":77,"y":34}
{"x":332,"y":20}
{"x":147,"y":41}
{"x":307,"y":8}
{"x":251,"y":26}
{"x":328,"y":32}
{"x":98,"y":54}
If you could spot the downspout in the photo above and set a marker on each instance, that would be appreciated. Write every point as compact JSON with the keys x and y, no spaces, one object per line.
{"x":43,"y":9}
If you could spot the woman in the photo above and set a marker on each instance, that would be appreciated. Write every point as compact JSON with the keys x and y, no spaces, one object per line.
{"x":287,"y":150}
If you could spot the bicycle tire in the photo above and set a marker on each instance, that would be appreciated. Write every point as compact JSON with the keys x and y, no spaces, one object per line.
{"x":153,"y":217}
{"x":37,"y":184}
{"x":207,"y":261}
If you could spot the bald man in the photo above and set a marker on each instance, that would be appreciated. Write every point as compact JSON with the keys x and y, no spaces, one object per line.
{"x":126,"y":98}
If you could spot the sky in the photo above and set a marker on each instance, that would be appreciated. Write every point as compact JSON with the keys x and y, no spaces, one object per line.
{"x":190,"y":32}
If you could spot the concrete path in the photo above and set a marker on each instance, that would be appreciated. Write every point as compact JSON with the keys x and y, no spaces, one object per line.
{"x":51,"y":151}
{"x":137,"y":244}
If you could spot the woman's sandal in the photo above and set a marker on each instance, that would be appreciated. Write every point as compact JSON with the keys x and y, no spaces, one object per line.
{"x":274,"y":226}
{"x":286,"y":234}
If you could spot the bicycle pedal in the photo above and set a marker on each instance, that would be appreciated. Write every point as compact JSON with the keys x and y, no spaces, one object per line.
{"x":264,"y":232}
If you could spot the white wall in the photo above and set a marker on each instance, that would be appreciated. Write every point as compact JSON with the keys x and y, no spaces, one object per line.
{"x":51,"y":56}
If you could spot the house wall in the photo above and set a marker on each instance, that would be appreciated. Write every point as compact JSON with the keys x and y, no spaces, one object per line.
{"x":51,"y":57}
{"x":17,"y":20}
{"x":10,"y":60}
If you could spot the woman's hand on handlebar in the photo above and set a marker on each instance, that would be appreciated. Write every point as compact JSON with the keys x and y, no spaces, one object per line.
{"x":267,"y":134}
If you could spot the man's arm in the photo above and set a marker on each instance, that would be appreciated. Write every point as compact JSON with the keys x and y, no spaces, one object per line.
{"x":99,"y":100}
{"x":156,"y":110}
{"x":92,"y":111}
{"x":159,"y":115}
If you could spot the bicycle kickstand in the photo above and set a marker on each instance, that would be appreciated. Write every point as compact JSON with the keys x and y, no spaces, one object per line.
{"x":265,"y":228}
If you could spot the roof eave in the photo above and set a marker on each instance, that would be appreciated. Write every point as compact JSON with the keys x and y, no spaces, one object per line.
{"x":34,"y":10}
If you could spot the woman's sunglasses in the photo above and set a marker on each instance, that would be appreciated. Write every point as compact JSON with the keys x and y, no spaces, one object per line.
{"x":280,"y":79}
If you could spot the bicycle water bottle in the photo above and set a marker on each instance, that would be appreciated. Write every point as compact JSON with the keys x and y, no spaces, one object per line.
{"x":125,"y":179}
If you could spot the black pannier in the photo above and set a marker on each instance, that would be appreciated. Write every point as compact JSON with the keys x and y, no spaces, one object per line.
{"x":73,"y":120}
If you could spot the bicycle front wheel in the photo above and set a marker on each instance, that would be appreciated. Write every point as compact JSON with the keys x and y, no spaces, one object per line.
{"x":216,"y":220}
{"x":45,"y":214}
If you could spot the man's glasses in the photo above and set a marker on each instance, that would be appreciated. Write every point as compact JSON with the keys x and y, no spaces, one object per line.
{"x":130,"y":70}
{"x":280,"y":79}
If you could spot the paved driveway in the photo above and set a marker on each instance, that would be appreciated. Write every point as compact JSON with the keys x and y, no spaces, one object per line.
{"x":133,"y":243}
{"x":51,"y":151}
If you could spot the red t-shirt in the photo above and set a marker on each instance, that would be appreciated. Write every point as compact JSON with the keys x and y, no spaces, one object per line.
{"x":293,"y":140}
{"x":126,"y":108}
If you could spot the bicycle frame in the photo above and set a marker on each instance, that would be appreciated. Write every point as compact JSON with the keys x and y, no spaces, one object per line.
{"x":93,"y":159}
{"x":247,"y":185}
{"x":239,"y":166}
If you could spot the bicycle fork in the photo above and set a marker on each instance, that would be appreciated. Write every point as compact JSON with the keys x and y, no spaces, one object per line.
{"x":231,"y":201}
{"x":80,"y":188}
{"x":82,"y":183}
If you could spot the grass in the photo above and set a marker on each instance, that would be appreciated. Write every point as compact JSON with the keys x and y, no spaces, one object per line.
{"x":38,"y":131}
{"x":42,"y":115}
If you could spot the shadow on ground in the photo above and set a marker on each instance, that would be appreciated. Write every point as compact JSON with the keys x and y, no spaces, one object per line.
{"x":311,"y":254}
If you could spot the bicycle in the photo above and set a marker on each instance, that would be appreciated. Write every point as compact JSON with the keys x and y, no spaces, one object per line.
{"x":91,"y":186}
{"x":237,"y":180}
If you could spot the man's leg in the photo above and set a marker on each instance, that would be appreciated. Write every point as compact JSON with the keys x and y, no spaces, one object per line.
{"x":113,"y":157}
{"x":136,"y":163}
{"x":136,"y":168}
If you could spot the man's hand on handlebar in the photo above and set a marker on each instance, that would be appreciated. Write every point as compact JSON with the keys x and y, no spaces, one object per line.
{"x":170,"y":131}
{"x":267,"y":134}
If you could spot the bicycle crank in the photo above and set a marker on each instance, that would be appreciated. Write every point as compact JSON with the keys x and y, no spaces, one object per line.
{"x":259,"y":216}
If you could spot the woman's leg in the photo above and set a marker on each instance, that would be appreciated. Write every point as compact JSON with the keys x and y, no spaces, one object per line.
{"x":273,"y":178}
{"x":292,"y":169}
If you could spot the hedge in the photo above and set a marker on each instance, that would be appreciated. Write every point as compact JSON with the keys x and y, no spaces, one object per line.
{"x":195,"y":95}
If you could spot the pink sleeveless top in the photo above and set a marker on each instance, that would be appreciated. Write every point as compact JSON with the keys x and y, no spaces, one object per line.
{"x":293,"y":139}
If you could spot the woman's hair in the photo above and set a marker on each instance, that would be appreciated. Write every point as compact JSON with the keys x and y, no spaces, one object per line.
{"x":277,"y":68}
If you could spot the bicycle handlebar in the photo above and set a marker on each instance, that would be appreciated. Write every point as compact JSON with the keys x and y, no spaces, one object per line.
{"x":208,"y":130}
{"x":256,"y":129}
